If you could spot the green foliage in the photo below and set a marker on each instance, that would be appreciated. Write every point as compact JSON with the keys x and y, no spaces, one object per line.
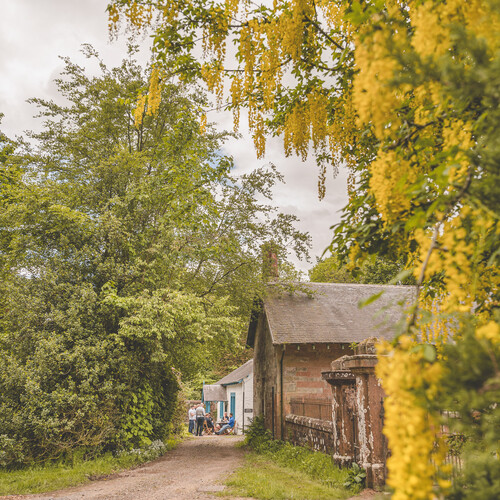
{"x":472,"y":395}
{"x":374,"y":270}
{"x":356,"y":476}
{"x":455,"y":444}
{"x":136,"y":422}
{"x":10,"y":187}
{"x":130,"y":260}
{"x":257,"y":436}
{"x":314,"y":464}
{"x":11,"y":450}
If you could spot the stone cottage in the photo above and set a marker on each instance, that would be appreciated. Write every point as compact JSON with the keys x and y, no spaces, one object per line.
{"x":296,"y":336}
{"x":233,"y":394}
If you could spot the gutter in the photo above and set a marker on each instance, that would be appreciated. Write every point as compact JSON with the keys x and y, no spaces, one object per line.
{"x":234,"y":383}
{"x":281,"y":392}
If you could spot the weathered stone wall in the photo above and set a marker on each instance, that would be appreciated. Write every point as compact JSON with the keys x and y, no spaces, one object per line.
{"x":344,"y":407}
{"x":369,"y":401}
{"x":358,"y":421}
{"x":310,"y":432}
{"x":303,"y":365}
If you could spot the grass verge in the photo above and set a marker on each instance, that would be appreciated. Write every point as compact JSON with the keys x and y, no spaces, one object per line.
{"x":278,"y":470}
{"x":50,"y":477}
{"x":264,"y":479}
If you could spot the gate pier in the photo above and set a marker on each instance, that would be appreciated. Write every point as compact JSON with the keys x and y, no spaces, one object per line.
{"x":358,"y":414}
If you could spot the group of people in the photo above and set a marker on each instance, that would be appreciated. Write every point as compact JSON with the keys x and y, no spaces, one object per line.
{"x":199,"y":420}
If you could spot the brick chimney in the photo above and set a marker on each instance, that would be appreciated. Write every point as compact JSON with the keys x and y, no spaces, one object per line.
{"x":270,"y":269}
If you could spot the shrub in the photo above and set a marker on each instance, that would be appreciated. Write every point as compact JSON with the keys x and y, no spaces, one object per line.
{"x":473,"y":394}
{"x":11,"y":450}
{"x":356,"y":476}
{"x":257,"y":436}
{"x":317,"y":465}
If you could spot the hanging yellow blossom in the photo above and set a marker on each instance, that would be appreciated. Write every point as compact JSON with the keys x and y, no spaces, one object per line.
{"x":154,"y":93}
{"x":490,"y":331}
{"x":411,"y":430}
{"x":203,"y":123}
{"x":140,"y":110}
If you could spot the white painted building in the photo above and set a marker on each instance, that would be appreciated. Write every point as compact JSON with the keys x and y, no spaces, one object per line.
{"x":233,"y":394}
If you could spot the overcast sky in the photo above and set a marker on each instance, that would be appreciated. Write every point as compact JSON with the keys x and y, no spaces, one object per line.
{"x":33,"y":33}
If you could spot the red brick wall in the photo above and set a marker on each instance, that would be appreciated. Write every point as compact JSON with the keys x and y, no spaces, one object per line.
{"x":302,"y":367}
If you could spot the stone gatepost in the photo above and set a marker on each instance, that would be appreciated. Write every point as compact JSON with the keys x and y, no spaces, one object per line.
{"x":343,"y":384}
{"x":368,"y":443}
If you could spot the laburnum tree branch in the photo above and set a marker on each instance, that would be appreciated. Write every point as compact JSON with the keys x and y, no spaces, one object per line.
{"x":323,"y":32}
{"x":434,"y":245}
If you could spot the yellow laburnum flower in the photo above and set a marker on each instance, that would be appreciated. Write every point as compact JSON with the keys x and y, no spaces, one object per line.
{"x":490,"y":331}
{"x":390,"y":175}
{"x":154,"y":94}
{"x":140,"y":110}
{"x":203,"y":123}
{"x":431,"y":37}
{"x":374,"y":99}
{"x":409,"y":427}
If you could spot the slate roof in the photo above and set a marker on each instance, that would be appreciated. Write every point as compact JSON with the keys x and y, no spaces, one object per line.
{"x":331,"y":314}
{"x":217,"y":391}
{"x":237,"y":375}
{"x":214,"y":392}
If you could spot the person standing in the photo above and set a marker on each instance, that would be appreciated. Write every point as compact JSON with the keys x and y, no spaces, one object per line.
{"x":192,"y":419}
{"x":200,"y":419}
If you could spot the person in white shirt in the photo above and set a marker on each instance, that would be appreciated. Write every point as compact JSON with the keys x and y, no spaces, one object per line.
{"x":192,"y":419}
{"x":200,"y":419}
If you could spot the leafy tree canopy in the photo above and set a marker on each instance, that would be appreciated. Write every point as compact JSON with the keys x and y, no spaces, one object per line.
{"x":131,"y":258}
{"x":376,"y":270}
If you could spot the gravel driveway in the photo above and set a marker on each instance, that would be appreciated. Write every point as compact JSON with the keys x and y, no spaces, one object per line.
{"x":194,"y":470}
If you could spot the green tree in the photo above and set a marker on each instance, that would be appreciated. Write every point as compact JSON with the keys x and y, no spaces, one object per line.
{"x":10,"y":186}
{"x":136,"y":255}
{"x":471,"y":397}
{"x":375,"y":270}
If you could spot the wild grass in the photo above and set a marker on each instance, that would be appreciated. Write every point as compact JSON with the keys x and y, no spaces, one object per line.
{"x":264,"y":479}
{"x":275,"y":470}
{"x":50,"y":477}
{"x":314,"y":464}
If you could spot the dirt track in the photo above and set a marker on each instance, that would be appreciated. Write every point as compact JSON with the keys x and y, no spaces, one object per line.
{"x":194,"y":470}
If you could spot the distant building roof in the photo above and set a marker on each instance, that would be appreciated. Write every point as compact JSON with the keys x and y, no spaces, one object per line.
{"x":217,"y":391}
{"x":214,"y":392}
{"x":237,"y":375}
{"x":332,"y":314}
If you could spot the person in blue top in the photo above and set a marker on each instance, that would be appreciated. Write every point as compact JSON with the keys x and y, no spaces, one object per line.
{"x":229,"y":425}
